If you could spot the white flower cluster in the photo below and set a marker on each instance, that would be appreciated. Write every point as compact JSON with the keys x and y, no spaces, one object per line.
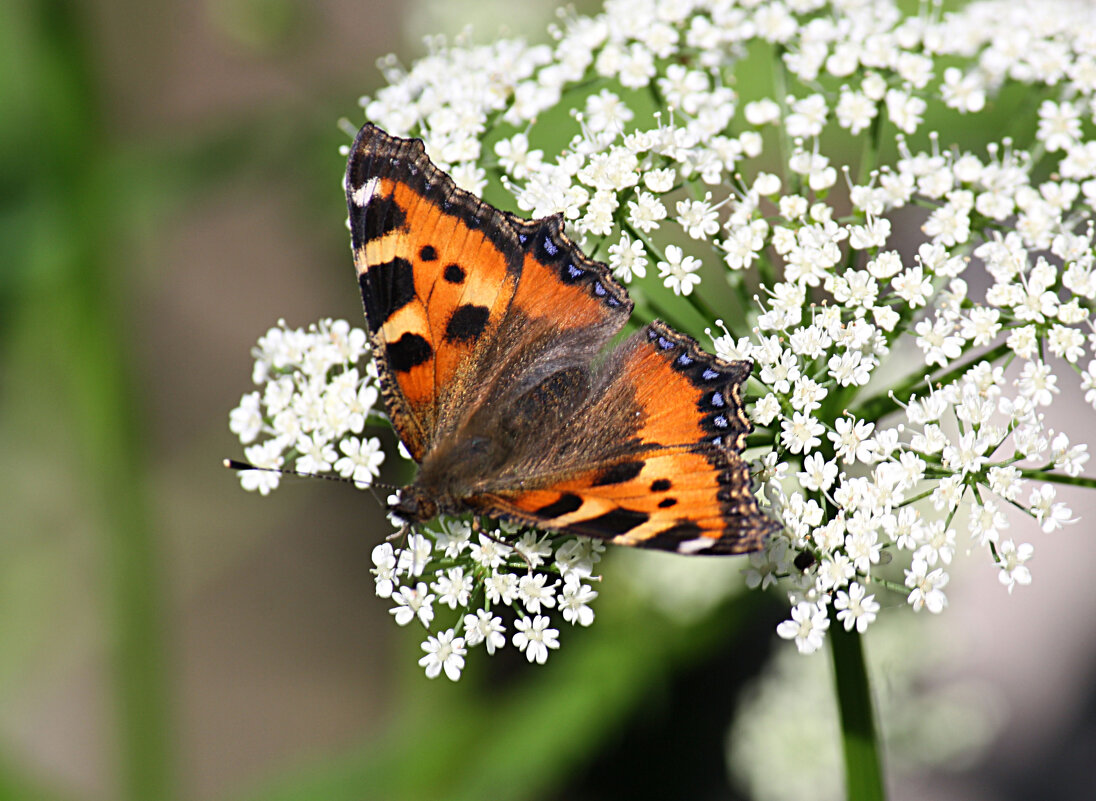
{"x":313,"y":406}
{"x":478,"y":575}
{"x":880,"y":481}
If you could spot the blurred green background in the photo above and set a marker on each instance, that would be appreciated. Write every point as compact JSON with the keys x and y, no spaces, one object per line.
{"x":169,"y":188}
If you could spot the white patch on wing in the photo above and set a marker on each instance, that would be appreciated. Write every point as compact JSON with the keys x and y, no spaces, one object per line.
{"x":695,"y":546}
{"x":363,"y":193}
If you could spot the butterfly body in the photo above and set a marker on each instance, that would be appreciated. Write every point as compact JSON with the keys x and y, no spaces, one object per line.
{"x":492,"y":336}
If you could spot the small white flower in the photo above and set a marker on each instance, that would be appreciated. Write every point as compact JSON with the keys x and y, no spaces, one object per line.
{"x":414,"y":557}
{"x":855,"y":608}
{"x":637,"y":67}
{"x":855,"y":111}
{"x":963,"y":92}
{"x":761,"y":112}
{"x":385,"y":571}
{"x":1038,"y":383}
{"x":453,"y":588}
{"x":516,"y":158}
{"x":627,"y":258}
{"x":1006,"y":481}
{"x":574,"y":601}
{"x":413,"y":602}
{"x":913,"y":286}
{"x":927,"y":587}
{"x":851,"y":439}
{"x":1069,"y":459}
{"x":834,"y":571}
{"x":490,"y":553}
{"x":1011,"y":559}
{"x":697,"y":217}
{"x":454,"y":537}
{"x":987,"y":521}
{"x":486,"y":628}
{"x":501,"y":588}
{"x":446,"y":651}
{"x":1059,"y":125}
{"x":317,"y":454}
{"x":246,"y":420}
{"x":801,"y":433}
{"x":534,"y":638}
{"x":533,"y":593}
{"x":645,"y":212}
{"x":808,"y":117}
{"x":807,"y":627}
{"x":679,"y":271}
{"x":268,"y":455}
{"x":1051,"y":516}
{"x":605,"y":111}
{"x":817,"y":474}
{"x":362,"y":461}
{"x":535,"y":547}
{"x":1088,"y":383}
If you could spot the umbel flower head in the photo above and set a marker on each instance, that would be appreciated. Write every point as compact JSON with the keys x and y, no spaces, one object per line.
{"x":906,"y":257}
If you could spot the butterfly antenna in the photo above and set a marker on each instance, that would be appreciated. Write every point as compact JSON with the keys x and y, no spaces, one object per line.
{"x":236,"y":464}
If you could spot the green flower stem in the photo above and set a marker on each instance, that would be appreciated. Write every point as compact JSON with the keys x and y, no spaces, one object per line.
{"x":1058,"y":478}
{"x":869,"y":157}
{"x":859,"y":736}
{"x":780,"y":91}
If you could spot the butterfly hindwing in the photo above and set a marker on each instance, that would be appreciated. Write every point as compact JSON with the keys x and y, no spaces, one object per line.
{"x":676,"y":480}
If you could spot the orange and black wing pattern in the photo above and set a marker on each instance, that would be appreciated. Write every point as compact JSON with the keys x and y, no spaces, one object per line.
{"x":437,"y":269}
{"x":491,"y":334}
{"x":676,"y":480}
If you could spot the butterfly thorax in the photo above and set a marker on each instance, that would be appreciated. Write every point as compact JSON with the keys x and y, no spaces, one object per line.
{"x":445,"y":481}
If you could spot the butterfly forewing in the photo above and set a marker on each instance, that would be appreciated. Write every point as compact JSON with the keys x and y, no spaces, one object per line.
{"x":437,"y":270}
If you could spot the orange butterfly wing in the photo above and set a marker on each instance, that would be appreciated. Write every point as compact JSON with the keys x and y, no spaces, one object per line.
{"x":442,"y":276}
{"x":436,"y":274}
{"x":679,"y":483}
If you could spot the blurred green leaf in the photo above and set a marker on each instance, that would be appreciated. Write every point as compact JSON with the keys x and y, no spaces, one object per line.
{"x":518,"y":742}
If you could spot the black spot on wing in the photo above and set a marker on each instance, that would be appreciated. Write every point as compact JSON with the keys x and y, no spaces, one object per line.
{"x":661,"y":485}
{"x":618,"y":473}
{"x":428,"y":253}
{"x":615,"y":522}
{"x":466,"y":323}
{"x":666,"y":503}
{"x":454,"y":273}
{"x":386,"y":288}
{"x":407,"y":352}
{"x":565,"y":504}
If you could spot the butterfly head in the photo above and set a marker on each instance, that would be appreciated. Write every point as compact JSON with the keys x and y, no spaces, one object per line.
{"x":414,"y":505}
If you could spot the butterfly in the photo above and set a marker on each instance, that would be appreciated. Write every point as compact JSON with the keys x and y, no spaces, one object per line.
{"x":491,"y":335}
